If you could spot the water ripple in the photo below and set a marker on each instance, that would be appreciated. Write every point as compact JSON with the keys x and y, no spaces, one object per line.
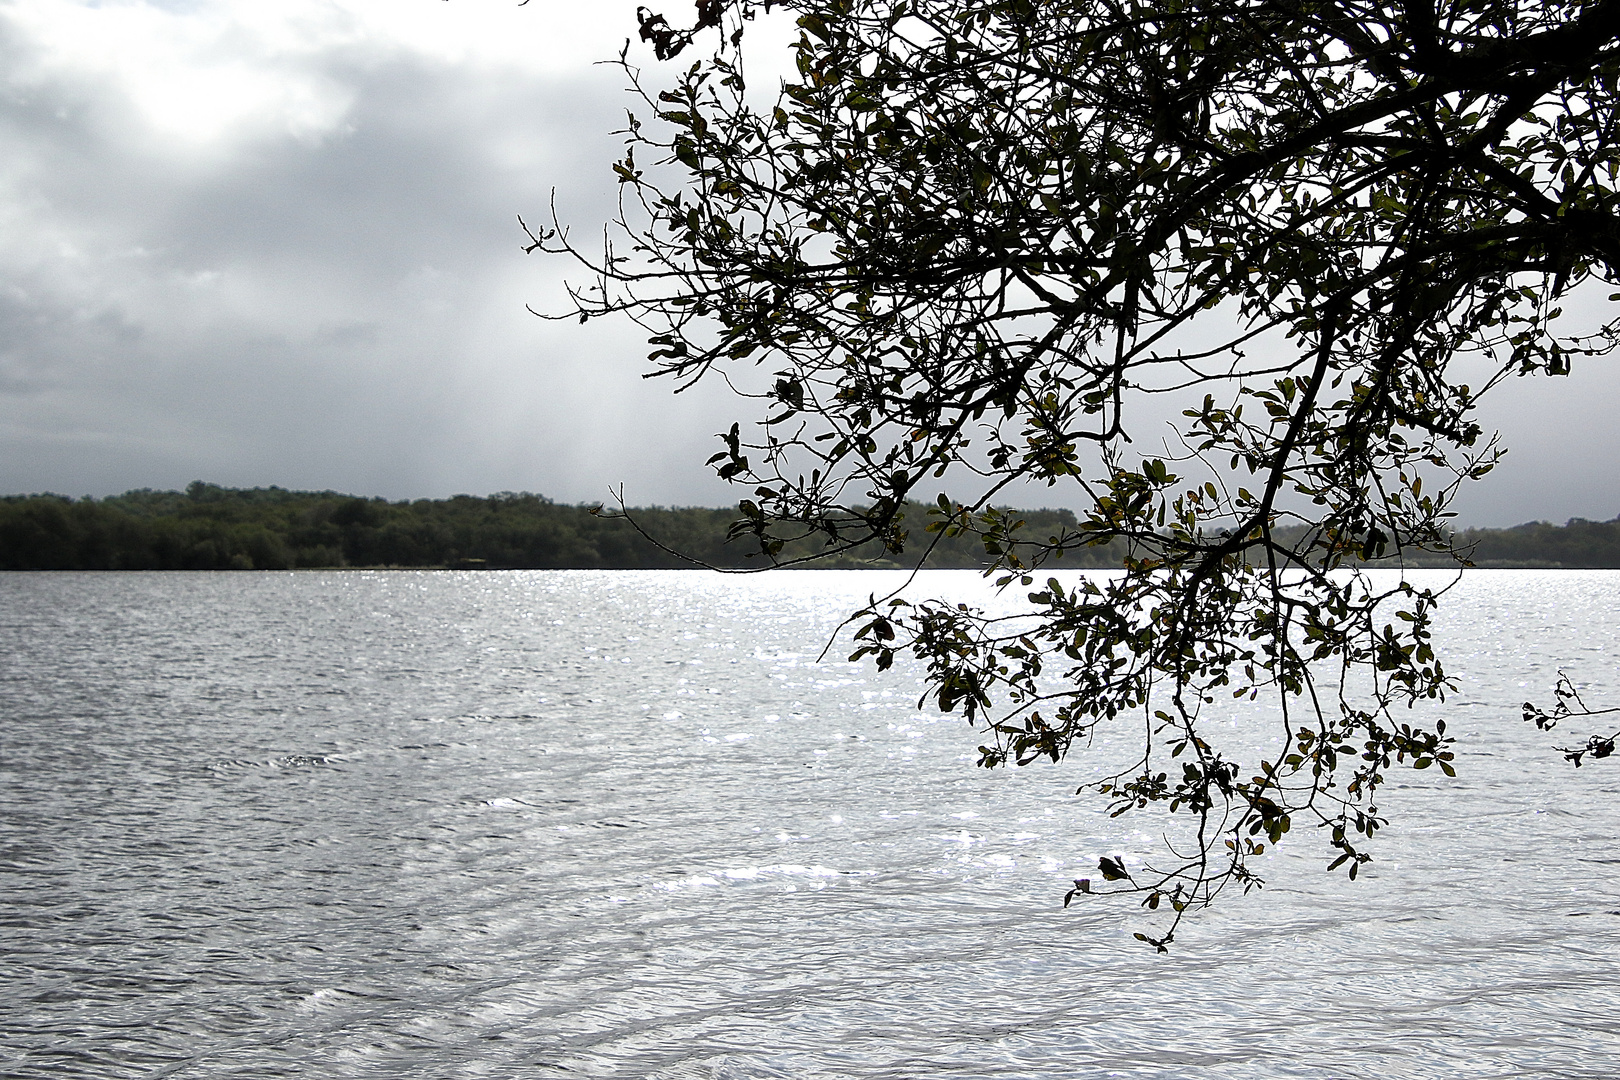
{"x":622,"y":824}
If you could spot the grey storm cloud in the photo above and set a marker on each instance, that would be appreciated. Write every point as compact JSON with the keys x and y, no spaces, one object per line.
{"x":278,"y":244}
{"x":340,"y":306}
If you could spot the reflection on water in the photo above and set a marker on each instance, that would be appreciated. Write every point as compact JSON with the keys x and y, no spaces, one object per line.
{"x":624,"y":824}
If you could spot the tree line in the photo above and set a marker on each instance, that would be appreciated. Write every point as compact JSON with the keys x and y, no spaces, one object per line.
{"x":207,"y":527}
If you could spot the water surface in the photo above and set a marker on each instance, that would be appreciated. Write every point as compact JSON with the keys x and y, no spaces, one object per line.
{"x":519,"y":824}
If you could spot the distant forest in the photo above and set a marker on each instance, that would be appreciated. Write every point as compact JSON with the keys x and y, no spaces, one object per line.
{"x":207,"y":527}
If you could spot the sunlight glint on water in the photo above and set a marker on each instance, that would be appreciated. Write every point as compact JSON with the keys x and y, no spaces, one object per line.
{"x":624,"y":824}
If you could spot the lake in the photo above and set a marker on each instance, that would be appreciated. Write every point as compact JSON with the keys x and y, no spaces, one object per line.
{"x":624,"y":823}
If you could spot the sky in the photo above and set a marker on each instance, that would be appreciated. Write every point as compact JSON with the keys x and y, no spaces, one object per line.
{"x":277,"y":243}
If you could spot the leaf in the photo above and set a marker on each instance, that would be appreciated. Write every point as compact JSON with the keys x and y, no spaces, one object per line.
{"x":1112,"y":869}
{"x":969,"y":246}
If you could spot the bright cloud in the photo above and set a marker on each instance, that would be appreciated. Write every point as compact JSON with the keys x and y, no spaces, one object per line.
{"x":275,"y":242}
{"x":205,"y":73}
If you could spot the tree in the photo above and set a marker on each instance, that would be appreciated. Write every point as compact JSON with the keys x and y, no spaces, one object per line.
{"x":1567,"y":702}
{"x":981,"y":238}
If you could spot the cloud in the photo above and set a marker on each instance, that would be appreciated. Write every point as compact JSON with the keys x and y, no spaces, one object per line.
{"x":278,"y":244}
{"x":182,"y":82}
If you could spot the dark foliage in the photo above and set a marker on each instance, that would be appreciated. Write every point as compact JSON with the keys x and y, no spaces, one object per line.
{"x":207,"y":527}
{"x":973,"y":238}
{"x":213,"y":528}
{"x":1578,"y":544}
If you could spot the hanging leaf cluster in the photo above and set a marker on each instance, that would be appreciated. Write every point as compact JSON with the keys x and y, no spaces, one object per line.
{"x":971,"y":243}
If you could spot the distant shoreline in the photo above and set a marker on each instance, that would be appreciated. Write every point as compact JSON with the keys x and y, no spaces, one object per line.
{"x":1050,"y":568}
{"x":207,"y":527}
